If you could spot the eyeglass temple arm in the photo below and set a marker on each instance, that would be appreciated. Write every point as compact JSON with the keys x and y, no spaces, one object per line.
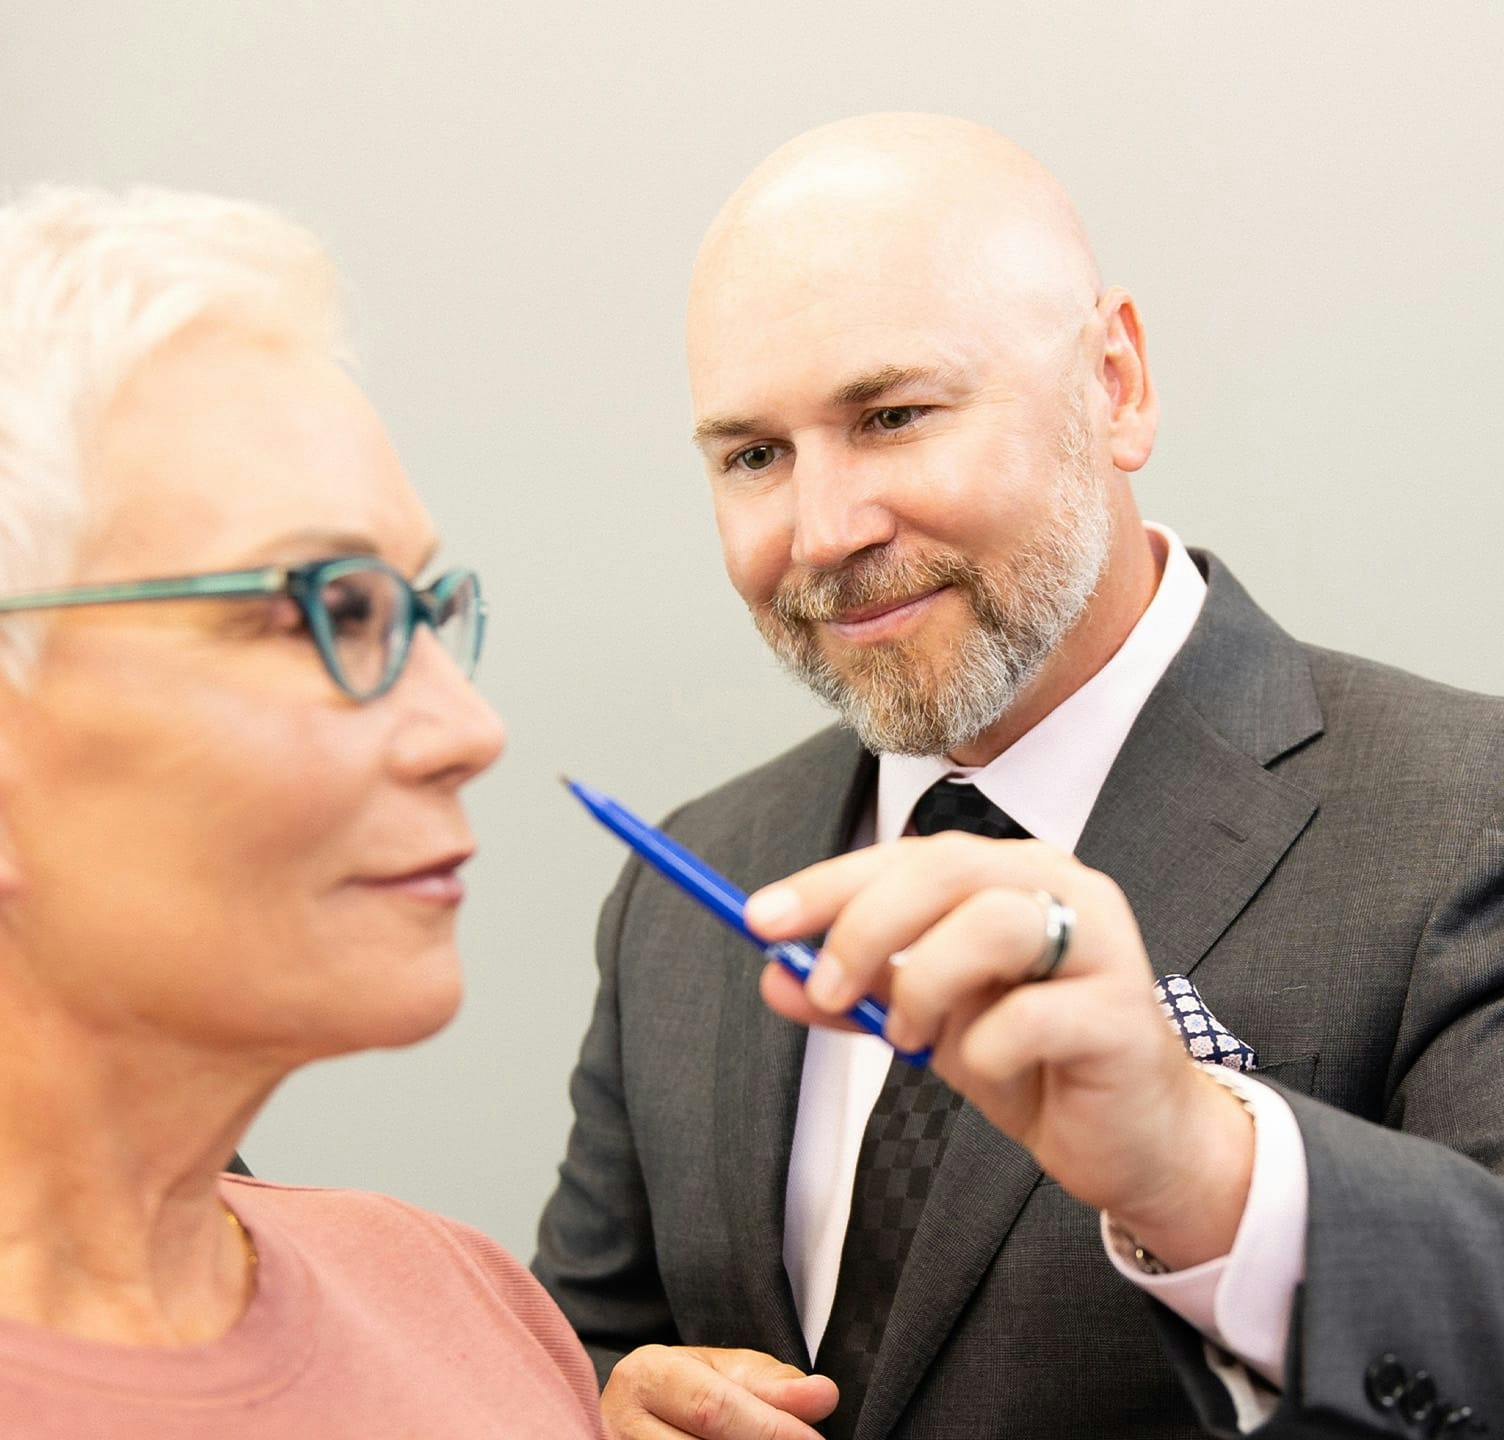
{"x":268,"y":580}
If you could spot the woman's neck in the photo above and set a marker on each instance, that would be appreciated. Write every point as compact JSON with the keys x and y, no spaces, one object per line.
{"x":111,"y":1223}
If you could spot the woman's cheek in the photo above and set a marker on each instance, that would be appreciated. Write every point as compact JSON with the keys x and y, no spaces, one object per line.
{"x":299,"y":783}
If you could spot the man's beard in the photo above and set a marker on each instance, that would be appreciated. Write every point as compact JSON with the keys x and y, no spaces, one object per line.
{"x":900,"y":700}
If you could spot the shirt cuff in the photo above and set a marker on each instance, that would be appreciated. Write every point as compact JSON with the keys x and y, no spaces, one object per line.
{"x":1242,"y":1300}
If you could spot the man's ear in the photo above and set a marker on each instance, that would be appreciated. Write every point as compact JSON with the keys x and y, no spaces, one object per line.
{"x":1133,"y":417}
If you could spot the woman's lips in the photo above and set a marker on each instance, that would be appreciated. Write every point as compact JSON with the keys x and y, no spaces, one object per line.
{"x":884,"y":620}
{"x":439,"y":884}
{"x":441,"y":887}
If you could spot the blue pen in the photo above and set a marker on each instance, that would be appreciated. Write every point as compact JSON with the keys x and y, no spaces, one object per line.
{"x":718,"y":895}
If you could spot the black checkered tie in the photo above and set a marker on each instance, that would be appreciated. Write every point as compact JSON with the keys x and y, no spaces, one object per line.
{"x":901,"y":1149}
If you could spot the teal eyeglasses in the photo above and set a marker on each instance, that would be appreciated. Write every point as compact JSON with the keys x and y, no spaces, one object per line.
{"x":359,"y":610}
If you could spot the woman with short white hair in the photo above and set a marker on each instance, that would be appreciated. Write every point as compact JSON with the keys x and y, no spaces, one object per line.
{"x":235,"y":721}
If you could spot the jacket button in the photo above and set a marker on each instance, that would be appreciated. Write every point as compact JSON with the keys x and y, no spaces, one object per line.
{"x":1420,"y":1398}
{"x":1385,"y":1382}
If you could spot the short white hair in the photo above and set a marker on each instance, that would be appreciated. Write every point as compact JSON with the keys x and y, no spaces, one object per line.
{"x":91,"y":284}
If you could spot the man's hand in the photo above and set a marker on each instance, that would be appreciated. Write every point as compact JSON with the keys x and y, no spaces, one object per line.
{"x":661,"y":1392}
{"x":1082,"y":1068}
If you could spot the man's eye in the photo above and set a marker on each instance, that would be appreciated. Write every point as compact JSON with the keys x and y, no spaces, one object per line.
{"x":755,"y":457}
{"x":895,"y":417}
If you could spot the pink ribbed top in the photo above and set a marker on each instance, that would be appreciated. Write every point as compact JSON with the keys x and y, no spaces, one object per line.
{"x":371,"y":1319}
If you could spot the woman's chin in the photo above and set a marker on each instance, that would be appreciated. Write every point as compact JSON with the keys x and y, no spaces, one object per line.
{"x":387,"y":1011}
{"x":378,"y":999}
{"x":418,"y":1012}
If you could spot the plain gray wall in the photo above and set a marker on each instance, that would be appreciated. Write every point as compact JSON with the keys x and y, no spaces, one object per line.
{"x":1305,"y":198}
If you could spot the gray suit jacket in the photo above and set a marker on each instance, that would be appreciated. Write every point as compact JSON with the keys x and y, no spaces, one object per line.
{"x":1317,"y":840}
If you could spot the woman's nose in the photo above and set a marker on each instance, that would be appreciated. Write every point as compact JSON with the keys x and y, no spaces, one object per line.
{"x":451,"y":733}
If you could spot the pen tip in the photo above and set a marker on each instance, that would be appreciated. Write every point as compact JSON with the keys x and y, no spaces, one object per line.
{"x":565,"y":781}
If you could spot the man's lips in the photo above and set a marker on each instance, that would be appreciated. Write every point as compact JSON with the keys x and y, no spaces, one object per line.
{"x":883,"y":618}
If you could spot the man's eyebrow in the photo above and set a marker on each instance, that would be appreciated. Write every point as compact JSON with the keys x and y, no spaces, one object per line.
{"x":861,"y":390}
{"x":864,"y":389}
{"x":727,"y":427}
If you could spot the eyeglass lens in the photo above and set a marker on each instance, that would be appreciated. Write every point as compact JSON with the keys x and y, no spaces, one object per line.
{"x":458,"y":625}
{"x":370,"y":624}
{"x":367,"y":620}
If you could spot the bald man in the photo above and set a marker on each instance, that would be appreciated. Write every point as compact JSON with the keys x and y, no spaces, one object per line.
{"x":1083,"y":787}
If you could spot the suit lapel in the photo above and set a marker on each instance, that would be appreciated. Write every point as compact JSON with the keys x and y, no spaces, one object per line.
{"x":1190,"y":829}
{"x":1189,"y":824}
{"x":760,"y":1056}
{"x":1190,"y":821}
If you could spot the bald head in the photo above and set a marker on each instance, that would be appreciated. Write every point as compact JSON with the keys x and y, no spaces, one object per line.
{"x":921,"y":202}
{"x":912,"y":393}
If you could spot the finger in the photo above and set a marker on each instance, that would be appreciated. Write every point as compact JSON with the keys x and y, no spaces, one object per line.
{"x":784,"y":994}
{"x":808,"y":1397}
{"x":639,"y":1426}
{"x":1061,"y":1022}
{"x":792,"y":907}
{"x":714,"y":1408}
{"x":687,"y":1396}
{"x":807,"y":901}
{"x":916,"y":875}
{"x":811,"y":1398}
{"x":993,"y":938}
{"x":925,"y":880}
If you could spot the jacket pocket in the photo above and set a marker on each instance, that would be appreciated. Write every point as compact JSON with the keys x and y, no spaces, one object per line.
{"x":1297,"y":1073}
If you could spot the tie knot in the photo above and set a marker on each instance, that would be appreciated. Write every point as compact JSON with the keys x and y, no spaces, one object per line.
{"x":959,"y":805}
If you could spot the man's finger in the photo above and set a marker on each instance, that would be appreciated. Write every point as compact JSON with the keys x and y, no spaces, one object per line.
{"x":895,"y":893}
{"x":671,"y":1391}
{"x":1064,"y":1022}
{"x":991,"y":939}
{"x":783,"y":993}
{"x":921,"y":885}
{"x":809,"y":1397}
{"x":710,"y":1407}
{"x":806,"y":901}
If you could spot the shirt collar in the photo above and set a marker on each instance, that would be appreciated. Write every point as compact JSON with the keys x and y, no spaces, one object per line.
{"x":1049,"y":778}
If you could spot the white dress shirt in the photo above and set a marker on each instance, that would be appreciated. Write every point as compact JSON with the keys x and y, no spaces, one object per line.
{"x":1048,"y":781}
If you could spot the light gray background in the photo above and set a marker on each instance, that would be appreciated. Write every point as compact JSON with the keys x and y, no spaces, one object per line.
{"x":1305,"y":198}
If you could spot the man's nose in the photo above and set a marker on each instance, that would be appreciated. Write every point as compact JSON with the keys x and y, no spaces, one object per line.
{"x":838,"y":511}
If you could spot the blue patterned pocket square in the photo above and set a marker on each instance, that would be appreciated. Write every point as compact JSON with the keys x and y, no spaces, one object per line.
{"x":1206,"y":1037}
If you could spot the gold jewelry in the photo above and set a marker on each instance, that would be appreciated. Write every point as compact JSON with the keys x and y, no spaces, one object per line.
{"x":1146,"y":1261}
{"x":252,"y":1259}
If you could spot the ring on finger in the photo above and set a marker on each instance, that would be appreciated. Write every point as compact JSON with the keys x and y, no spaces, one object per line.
{"x":1059,"y":922}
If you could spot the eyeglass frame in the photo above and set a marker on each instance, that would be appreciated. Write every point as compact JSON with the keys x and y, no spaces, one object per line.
{"x":301,"y":583}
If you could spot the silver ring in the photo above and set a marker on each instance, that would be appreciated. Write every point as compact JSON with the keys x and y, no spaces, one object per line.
{"x":1059,"y":921}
